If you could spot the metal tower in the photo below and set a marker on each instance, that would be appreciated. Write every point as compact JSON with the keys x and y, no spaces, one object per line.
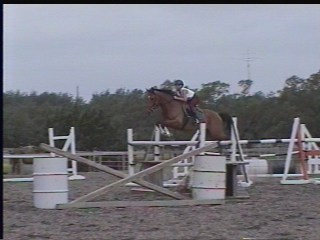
{"x":246,"y":84}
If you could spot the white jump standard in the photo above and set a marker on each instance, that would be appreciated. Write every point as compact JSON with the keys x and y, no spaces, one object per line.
{"x":70,"y":144}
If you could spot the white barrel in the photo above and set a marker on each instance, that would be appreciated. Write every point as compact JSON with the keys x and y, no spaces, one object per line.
{"x":209,"y":177}
{"x":50,"y":182}
{"x":256,"y":166}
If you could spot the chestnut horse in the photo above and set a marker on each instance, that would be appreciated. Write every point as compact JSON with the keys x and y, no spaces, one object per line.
{"x":174,"y":115}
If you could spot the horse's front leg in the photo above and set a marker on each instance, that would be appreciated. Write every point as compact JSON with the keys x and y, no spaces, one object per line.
{"x":163,"y":129}
{"x":168,"y":123}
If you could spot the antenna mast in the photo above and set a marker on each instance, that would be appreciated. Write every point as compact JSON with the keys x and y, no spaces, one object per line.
{"x":77,"y":93}
{"x":246,"y":84}
{"x":248,"y":59}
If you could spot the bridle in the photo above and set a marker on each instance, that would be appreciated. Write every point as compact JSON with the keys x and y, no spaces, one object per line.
{"x":156,"y":103}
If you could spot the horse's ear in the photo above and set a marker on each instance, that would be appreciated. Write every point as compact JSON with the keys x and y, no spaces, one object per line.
{"x":150,"y":90}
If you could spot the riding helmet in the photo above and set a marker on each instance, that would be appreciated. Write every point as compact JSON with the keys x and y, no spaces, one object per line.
{"x":178,"y":82}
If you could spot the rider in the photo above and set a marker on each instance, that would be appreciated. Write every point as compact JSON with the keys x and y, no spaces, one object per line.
{"x":190,"y":97}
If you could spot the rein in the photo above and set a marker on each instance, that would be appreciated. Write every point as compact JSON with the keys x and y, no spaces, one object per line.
{"x":155,"y":106}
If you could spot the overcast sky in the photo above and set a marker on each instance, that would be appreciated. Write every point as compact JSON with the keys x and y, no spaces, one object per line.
{"x":100,"y":47}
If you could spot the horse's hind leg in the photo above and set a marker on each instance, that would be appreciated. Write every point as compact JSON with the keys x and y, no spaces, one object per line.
{"x":216,"y":134}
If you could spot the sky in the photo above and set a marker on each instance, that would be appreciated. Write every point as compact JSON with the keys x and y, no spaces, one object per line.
{"x":92,"y":48}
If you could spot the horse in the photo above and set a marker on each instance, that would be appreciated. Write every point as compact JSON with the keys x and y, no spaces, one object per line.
{"x":175,"y":115}
{"x":16,"y":164}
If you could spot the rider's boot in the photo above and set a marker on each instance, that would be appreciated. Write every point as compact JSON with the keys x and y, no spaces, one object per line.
{"x":199,"y":116}
{"x":194,"y":115}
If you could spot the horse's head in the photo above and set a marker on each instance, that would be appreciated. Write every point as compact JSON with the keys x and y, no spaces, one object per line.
{"x":26,"y":150}
{"x":156,"y":97}
{"x":153,"y":100}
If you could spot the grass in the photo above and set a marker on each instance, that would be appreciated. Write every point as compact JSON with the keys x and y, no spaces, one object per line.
{"x":6,"y":168}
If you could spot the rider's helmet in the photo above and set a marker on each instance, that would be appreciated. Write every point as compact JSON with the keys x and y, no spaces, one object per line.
{"x":178,"y":83}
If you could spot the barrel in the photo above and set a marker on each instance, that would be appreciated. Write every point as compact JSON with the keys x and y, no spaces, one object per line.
{"x":277,"y":166}
{"x":209,"y":177}
{"x":257,"y":166}
{"x":50,"y":182}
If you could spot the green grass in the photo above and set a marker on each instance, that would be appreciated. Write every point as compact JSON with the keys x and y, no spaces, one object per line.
{"x":6,"y":168}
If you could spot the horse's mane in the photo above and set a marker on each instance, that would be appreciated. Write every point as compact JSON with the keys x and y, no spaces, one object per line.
{"x":164,"y":90}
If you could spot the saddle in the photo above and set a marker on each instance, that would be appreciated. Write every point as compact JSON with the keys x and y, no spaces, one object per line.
{"x":191,"y":116}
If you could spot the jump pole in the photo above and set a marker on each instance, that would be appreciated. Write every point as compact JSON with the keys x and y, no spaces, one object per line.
{"x":236,"y":144}
{"x":131,"y":163}
{"x":156,"y":148}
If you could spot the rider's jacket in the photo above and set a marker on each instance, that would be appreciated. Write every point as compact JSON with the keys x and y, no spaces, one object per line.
{"x":186,"y":93}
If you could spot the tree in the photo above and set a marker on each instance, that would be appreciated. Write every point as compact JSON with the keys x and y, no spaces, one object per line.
{"x":101,"y":124}
{"x":167,"y":84}
{"x":294,"y":84}
{"x":211,"y":92}
{"x":246,"y":85}
{"x":313,"y":83}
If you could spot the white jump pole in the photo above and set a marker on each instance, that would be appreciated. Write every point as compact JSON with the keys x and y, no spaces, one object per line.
{"x":225,"y":142}
{"x":131,"y":163}
{"x":202,"y":136}
{"x":175,"y":170}
{"x":233,"y":141}
{"x":156,"y":148}
{"x":73,"y":151}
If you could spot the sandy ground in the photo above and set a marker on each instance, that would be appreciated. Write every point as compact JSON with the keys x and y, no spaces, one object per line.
{"x":273,"y":211}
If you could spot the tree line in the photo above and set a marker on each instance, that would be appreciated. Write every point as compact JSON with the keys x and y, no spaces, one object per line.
{"x":101,"y":123}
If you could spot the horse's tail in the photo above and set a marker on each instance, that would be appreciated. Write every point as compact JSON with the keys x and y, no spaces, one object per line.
{"x":227,"y":120}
